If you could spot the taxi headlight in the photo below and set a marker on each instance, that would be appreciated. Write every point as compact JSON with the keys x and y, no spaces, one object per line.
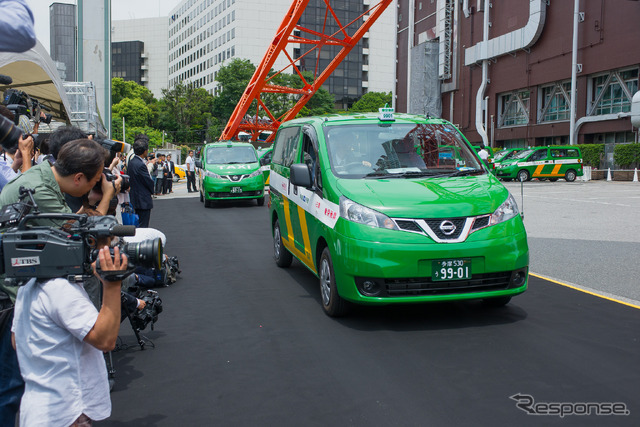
{"x":505,"y":211}
{"x":255,"y":173}
{"x":211,"y":174}
{"x":355,"y":212}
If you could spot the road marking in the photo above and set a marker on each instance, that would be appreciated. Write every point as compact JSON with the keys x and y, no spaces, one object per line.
{"x":581,"y":289}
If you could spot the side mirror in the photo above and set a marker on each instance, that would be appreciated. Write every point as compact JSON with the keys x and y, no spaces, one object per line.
{"x":300,"y":175}
{"x":264,"y":161}
{"x":199,"y":164}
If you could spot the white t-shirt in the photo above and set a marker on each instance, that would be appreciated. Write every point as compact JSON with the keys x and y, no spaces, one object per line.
{"x":64,"y":376}
{"x":484,"y":154}
{"x":192,"y":163}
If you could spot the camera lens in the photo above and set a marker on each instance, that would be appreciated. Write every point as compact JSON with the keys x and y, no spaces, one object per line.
{"x":147,"y":253}
{"x":9,"y":134}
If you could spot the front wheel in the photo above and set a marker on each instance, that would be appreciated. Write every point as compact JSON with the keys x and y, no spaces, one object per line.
{"x":201,"y":197}
{"x":282,"y":256}
{"x":260,"y":201}
{"x":523,"y":175}
{"x":332,"y":303}
{"x":570,"y":175}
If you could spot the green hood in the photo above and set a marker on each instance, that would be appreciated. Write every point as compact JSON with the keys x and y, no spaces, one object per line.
{"x":233,"y":169}
{"x":427,"y":198}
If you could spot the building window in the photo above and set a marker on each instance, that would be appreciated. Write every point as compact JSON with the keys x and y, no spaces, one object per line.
{"x":611,"y":93}
{"x":514,"y":109}
{"x":556,"y":102}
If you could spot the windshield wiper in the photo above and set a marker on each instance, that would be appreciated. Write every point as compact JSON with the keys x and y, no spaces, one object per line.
{"x":409,"y":174}
{"x":466,"y":172}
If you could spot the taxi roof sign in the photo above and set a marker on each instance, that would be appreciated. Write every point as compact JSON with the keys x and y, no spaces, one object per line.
{"x":386,"y":114}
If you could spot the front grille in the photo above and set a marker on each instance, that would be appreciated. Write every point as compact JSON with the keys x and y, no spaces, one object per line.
{"x":231,"y":195}
{"x":408,"y":225}
{"x":425,"y":286}
{"x":481,"y":221}
{"x":434,"y":225}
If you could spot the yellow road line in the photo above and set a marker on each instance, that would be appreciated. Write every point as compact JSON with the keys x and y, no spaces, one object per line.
{"x":585,"y":291}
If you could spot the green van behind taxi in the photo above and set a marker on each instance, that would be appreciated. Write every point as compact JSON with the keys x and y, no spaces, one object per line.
{"x":551,"y":163}
{"x":393,"y":212}
{"x":230,"y":171}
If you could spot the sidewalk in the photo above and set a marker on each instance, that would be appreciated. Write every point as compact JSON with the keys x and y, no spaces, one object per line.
{"x":179,"y":192}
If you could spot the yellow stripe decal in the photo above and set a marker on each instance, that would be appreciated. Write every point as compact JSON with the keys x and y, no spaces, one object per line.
{"x":555,"y":172}
{"x":289,"y":242}
{"x":584,"y":290}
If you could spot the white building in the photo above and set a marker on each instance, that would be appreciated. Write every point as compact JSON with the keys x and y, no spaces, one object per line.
{"x":205,"y":34}
{"x":153,"y":33}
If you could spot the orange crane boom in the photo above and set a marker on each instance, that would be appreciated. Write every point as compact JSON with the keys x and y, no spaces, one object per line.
{"x":291,"y":32}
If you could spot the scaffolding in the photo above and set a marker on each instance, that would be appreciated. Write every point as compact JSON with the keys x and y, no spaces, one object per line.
{"x":84,"y":109}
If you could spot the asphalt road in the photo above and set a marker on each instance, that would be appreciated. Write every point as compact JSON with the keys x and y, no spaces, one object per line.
{"x":584,"y":233}
{"x":242,"y":342}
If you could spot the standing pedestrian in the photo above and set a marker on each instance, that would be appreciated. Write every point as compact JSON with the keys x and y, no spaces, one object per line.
{"x":191,"y":173}
{"x":159,"y":173}
{"x":140,"y":182}
{"x":152,"y":167}
{"x":172,"y":172}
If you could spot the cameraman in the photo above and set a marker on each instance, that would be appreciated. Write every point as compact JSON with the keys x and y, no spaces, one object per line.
{"x":21,"y":147}
{"x":57,"y":329}
{"x":76,"y":171}
{"x":78,"y":168}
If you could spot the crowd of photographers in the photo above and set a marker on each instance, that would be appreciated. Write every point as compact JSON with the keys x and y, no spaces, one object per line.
{"x":59,"y":326}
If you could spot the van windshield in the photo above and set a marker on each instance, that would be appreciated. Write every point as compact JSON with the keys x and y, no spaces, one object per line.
{"x":399,"y":151}
{"x":230,"y":155}
{"x":522,"y":154}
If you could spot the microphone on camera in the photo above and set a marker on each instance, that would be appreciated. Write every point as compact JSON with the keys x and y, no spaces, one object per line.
{"x":5,"y":80}
{"x":123,"y":230}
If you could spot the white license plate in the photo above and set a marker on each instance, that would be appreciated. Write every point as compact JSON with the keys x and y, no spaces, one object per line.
{"x":236,"y":189}
{"x":451,"y":269}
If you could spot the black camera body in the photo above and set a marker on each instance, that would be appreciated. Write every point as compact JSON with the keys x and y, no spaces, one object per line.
{"x":149,"y":314}
{"x":43,"y":252}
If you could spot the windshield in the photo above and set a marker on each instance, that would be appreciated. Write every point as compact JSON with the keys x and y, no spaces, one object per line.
{"x":522,"y":154}
{"x":225,"y":155}
{"x":399,"y":150}
{"x":505,"y":154}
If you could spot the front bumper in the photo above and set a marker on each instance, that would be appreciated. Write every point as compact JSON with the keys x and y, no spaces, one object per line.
{"x":221,"y":189}
{"x":402,"y":271}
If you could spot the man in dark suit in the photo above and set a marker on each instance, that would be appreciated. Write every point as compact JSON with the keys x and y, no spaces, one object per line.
{"x":172,"y":172}
{"x":140,"y":181}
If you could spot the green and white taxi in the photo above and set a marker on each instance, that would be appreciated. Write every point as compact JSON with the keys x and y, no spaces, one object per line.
{"x":393,"y":209}
{"x":551,"y":163}
{"x":230,"y":171}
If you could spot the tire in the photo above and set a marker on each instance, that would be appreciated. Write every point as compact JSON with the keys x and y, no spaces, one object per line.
{"x":570,"y":175}
{"x":281,"y":254}
{"x":201,"y":197}
{"x":260,"y":201}
{"x":332,"y":303}
{"x":208,"y":203}
{"x":496,"y":302}
{"x":553,"y":179}
{"x":523,"y":175}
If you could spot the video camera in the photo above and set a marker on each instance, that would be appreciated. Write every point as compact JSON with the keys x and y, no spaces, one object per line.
{"x":28,"y":251}
{"x":21,"y":104}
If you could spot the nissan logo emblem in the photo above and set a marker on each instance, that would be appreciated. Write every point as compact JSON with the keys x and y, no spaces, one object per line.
{"x":447,"y":227}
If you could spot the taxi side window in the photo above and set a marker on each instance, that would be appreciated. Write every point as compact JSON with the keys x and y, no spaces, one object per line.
{"x":310,"y":158}
{"x":539,"y":155}
{"x":286,"y":148}
{"x":573,"y":153}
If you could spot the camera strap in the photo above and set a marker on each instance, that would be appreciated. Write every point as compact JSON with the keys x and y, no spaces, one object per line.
{"x":115,"y":276}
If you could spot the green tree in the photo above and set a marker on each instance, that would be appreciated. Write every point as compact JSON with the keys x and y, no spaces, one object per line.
{"x":371,"y":102}
{"x":185,"y":112}
{"x":232,"y":79}
{"x":121,"y":89}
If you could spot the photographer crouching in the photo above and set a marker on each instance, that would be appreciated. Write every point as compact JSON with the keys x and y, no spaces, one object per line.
{"x":78,"y":168}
